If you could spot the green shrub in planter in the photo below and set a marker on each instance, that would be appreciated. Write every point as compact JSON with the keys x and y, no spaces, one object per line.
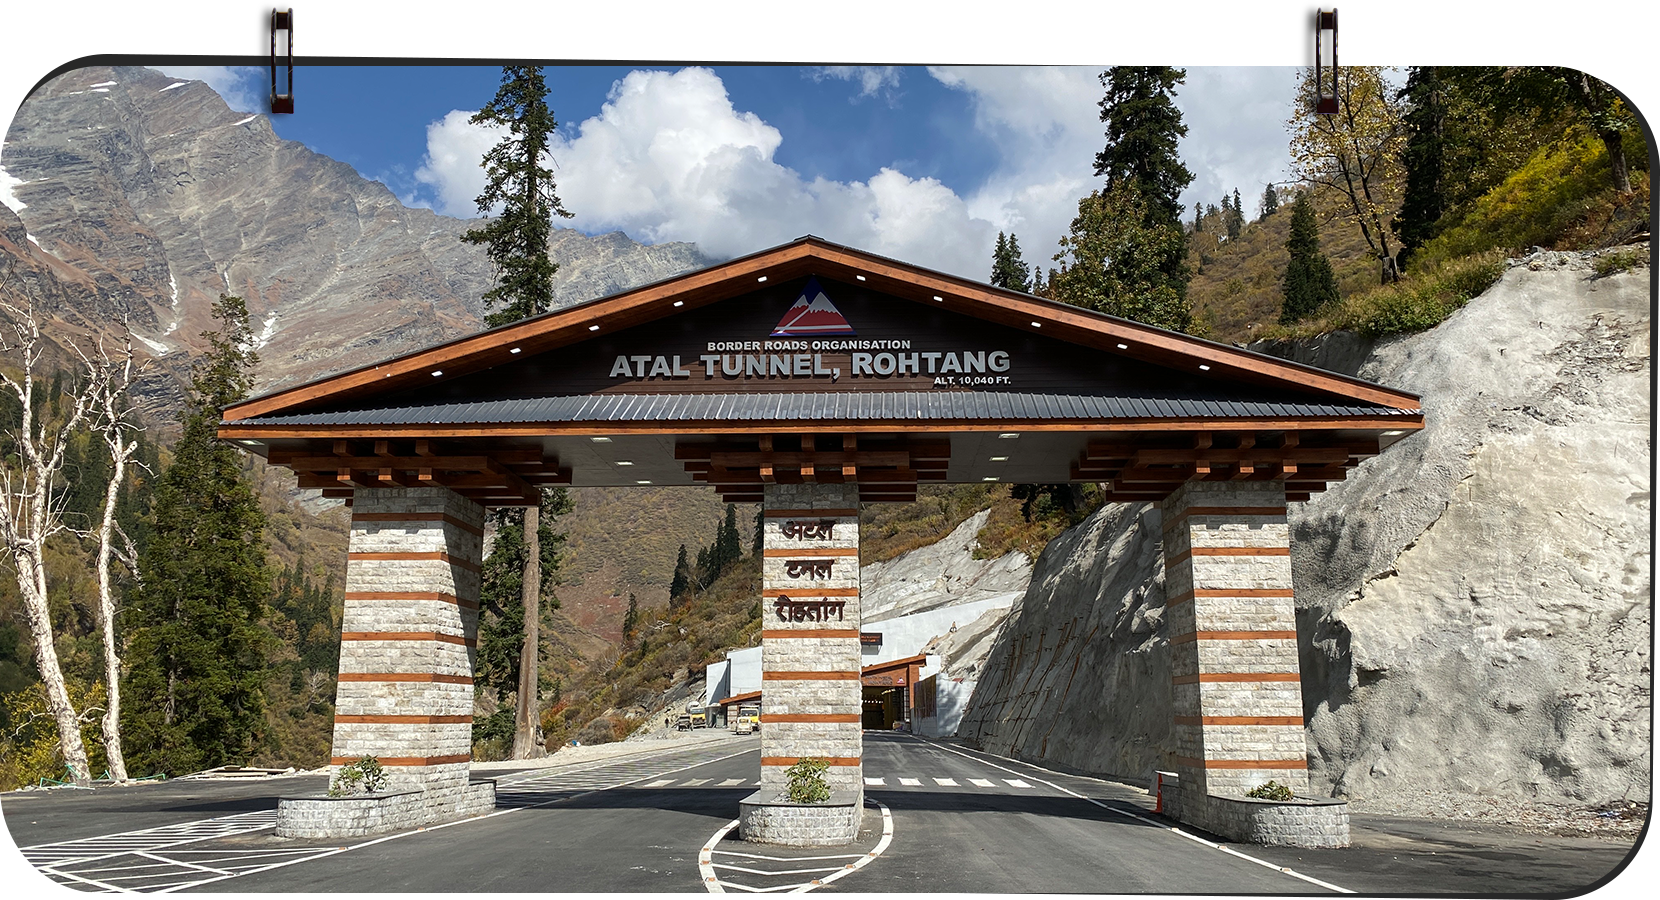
{"x":1273,"y":790}
{"x":807,"y":781}
{"x":362,"y":777}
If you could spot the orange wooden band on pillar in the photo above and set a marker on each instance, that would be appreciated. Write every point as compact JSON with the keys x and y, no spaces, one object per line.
{"x":1192,"y":763}
{"x":416,"y":557}
{"x":1240,"y":720}
{"x":435,"y":596}
{"x":792,"y":760}
{"x":407,"y":760}
{"x":1211,"y":677}
{"x":804,"y":593}
{"x":809,"y":676}
{"x":768,"y":635}
{"x":806,"y":718}
{"x":773,"y":552}
{"x":809,"y":513}
{"x":418,"y":517}
{"x":1233,"y":636}
{"x":404,"y":720}
{"x":410,"y":677}
{"x":1185,"y":596}
{"x":408,"y":636}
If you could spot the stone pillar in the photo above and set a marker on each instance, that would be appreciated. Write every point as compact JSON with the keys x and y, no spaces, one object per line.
{"x":810,"y":691}
{"x":410,"y":636}
{"x":1237,"y":691}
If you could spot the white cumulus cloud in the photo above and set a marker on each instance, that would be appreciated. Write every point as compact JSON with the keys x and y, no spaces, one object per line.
{"x":669,"y":158}
{"x":871,"y":79}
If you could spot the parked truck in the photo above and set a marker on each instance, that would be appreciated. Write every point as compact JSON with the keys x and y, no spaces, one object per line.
{"x":747,"y":720}
{"x":695,"y":716}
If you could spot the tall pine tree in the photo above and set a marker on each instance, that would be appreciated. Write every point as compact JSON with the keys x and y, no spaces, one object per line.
{"x":1309,"y":283}
{"x":196,"y":648}
{"x":1424,"y":158}
{"x":1270,"y":201}
{"x":682,"y":581}
{"x":516,"y":242}
{"x":1126,"y":253}
{"x":1008,"y":270}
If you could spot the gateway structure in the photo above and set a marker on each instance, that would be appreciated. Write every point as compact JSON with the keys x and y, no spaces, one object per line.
{"x":814,"y":378}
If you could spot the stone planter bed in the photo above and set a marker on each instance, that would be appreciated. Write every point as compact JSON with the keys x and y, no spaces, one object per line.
{"x":765,"y":819}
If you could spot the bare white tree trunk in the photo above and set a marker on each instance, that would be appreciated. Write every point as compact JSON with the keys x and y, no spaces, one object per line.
{"x":31,"y":516}
{"x":114,"y":427}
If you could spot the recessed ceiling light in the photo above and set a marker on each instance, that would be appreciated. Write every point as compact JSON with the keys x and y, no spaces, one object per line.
{"x":999,"y":459}
{"x":642,"y":482}
{"x":939,"y":298}
{"x":625,"y":462}
{"x":437,"y":372}
{"x":1385,"y":434}
{"x":1123,"y":346}
{"x":679,"y":303}
{"x":256,"y":443}
{"x":762,"y":278}
{"x":1008,"y":434}
{"x":593,"y":327}
{"x":514,"y":350}
{"x":860,"y":277}
{"x":1204,"y":368}
{"x":989,"y":478}
{"x":600,"y":440}
{"x":1037,"y":324}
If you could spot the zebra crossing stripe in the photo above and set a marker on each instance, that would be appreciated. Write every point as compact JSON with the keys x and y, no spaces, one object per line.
{"x":911,"y":782}
{"x":876,"y":782}
{"x":981,"y":782}
{"x":946,"y":782}
{"x":694,"y":782}
{"x":1015,"y":782}
{"x":732,"y":782}
{"x":661,"y":782}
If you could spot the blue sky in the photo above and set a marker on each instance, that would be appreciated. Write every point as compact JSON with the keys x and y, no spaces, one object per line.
{"x":925,"y":164}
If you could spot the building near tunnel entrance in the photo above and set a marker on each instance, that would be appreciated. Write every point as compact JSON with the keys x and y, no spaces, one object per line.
{"x":814,"y":378}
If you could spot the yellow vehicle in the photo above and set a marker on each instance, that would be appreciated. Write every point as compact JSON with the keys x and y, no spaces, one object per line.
{"x":694,"y":717}
{"x":747,"y":720}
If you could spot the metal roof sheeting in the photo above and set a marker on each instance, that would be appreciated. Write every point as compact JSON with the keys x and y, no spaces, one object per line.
{"x":841,"y":406}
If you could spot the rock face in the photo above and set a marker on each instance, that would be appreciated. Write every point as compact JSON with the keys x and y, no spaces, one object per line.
{"x":1474,"y":605}
{"x":156,"y":195}
{"x":940,"y":575}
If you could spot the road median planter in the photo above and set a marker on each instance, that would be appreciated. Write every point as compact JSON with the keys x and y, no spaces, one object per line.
{"x":766,"y":818}
{"x":1311,"y":822}
{"x":322,"y":816}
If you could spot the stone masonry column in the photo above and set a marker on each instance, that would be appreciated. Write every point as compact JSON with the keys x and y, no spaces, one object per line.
{"x":409,"y":638}
{"x":1237,"y":690}
{"x":810,"y":690}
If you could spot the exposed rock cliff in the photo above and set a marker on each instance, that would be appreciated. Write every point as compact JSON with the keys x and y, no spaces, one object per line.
{"x":1474,"y":604}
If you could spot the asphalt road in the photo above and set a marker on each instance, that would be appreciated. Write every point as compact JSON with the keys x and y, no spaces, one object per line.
{"x":939,"y":819}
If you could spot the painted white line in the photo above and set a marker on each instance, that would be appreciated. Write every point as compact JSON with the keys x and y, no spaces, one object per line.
{"x":694,"y":782}
{"x":982,"y":782}
{"x":911,"y":782}
{"x":182,"y":864}
{"x":1192,"y":837}
{"x":946,"y":782}
{"x":661,"y":782}
{"x":731,"y":782}
{"x":1015,"y":782}
{"x":706,"y":864}
{"x":876,"y":782}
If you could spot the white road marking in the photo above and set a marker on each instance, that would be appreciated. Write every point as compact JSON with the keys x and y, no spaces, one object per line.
{"x":911,"y":782}
{"x":707,"y":866}
{"x":731,"y":782}
{"x":981,"y":782}
{"x":1015,"y":782}
{"x":694,"y":782}
{"x":876,"y":782}
{"x":1192,"y":837}
{"x":661,"y":782}
{"x":946,"y":782}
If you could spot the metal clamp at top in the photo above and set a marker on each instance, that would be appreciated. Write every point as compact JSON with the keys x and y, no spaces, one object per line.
{"x":1325,"y":95}
{"x":282,"y":21}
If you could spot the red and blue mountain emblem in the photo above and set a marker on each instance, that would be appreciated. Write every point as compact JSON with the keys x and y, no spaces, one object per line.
{"x":812,"y":314}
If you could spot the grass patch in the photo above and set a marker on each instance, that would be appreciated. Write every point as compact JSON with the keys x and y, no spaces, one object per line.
{"x":1417,"y":302}
{"x":1617,"y":261}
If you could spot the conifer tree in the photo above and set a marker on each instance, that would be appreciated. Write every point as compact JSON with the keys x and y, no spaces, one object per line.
{"x":1008,"y":269}
{"x":1143,"y":130}
{"x":501,"y":634}
{"x":1198,"y":217}
{"x":517,"y":244}
{"x":682,"y":581}
{"x":1424,"y":159}
{"x":1270,"y":201}
{"x":728,"y":541}
{"x":1236,"y":217}
{"x":1309,"y":283}
{"x":197,"y":651}
{"x":631,"y":619}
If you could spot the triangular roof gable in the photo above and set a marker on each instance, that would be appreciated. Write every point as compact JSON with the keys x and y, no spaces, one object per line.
{"x":801,"y":258}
